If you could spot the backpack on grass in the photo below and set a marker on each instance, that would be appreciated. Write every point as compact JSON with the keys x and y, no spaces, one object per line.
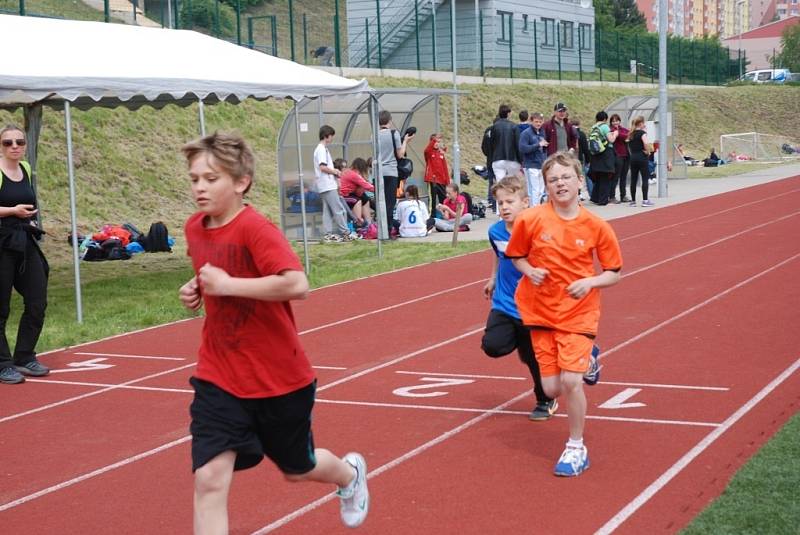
{"x":157,"y":239}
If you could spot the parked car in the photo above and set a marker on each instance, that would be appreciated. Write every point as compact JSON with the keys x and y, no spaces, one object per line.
{"x":763,"y":76}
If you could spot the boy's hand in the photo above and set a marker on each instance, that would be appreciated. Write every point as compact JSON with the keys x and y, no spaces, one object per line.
{"x":189,"y":295}
{"x":579,"y":288}
{"x":537,"y":275}
{"x":488,"y":290}
{"x":213,"y":280}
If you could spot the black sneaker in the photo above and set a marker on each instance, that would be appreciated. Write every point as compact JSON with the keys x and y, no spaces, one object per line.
{"x":10,"y":376}
{"x":543,"y":411}
{"x":34,"y":368}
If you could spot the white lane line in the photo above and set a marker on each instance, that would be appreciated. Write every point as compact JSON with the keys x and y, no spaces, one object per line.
{"x":439,"y":374}
{"x":392,"y":307}
{"x":391,"y":464}
{"x":104,"y":385}
{"x":707,"y":216}
{"x":313,"y":505}
{"x":678,"y":387}
{"x":688,"y":311}
{"x":73,"y":481}
{"x":701,"y":446}
{"x":399,"y":359}
{"x":709,"y":244}
{"x":93,"y":393}
{"x":329,"y":367}
{"x":514,"y":413}
{"x":117,"y":355}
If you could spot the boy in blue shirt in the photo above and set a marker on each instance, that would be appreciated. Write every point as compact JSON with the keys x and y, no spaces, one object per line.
{"x":504,"y":329}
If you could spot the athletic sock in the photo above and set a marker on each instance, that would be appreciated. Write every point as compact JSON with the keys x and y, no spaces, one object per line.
{"x":572,"y":443}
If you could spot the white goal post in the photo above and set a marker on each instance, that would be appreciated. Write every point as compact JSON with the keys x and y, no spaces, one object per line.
{"x":756,"y":146}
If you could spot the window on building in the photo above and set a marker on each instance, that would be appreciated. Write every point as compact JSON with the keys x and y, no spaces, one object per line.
{"x":567,"y":34}
{"x":549,"y":32}
{"x":585,"y":36}
{"x":524,"y":23}
{"x":505,"y":22}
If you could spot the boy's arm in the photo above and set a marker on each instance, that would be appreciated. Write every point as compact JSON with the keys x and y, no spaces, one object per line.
{"x":579,"y":288}
{"x":536,"y":275}
{"x":488,"y":290}
{"x":285,"y":286}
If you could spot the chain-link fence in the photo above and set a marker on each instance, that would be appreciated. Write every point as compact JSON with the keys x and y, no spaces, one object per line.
{"x":561,"y":42}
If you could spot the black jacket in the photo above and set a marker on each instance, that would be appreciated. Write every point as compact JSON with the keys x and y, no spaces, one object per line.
{"x":504,"y":141}
{"x":583,"y":147}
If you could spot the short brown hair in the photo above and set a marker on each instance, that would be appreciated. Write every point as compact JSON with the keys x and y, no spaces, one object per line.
{"x":511,"y":184}
{"x":229,"y":150}
{"x":567,"y":159}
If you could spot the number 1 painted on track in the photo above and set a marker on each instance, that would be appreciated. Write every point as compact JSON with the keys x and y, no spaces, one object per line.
{"x":435,"y":382}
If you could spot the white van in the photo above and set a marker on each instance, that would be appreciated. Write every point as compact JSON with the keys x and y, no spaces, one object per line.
{"x":763,"y":76}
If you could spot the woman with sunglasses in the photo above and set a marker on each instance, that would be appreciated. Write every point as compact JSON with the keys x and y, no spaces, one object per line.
{"x":23,"y":267}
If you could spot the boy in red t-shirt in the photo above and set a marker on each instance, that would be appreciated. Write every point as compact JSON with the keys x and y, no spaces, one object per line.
{"x":553,"y":245}
{"x":254,"y":386}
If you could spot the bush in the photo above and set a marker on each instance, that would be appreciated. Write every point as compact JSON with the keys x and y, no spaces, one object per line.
{"x":203,"y":13}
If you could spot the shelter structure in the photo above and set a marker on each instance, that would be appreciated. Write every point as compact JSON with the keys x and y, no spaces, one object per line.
{"x":632,"y":106}
{"x":87,"y":64}
{"x":352,"y":118}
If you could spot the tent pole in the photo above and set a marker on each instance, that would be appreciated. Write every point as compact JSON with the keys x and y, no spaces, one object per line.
{"x":202,"y":116}
{"x":380,"y":202}
{"x":302,"y":188}
{"x":33,"y":127}
{"x":73,"y":211}
{"x":456,"y":146}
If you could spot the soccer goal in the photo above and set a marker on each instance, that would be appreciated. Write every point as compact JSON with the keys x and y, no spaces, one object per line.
{"x":755,"y":146}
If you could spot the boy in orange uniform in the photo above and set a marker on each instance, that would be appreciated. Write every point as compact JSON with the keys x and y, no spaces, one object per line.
{"x":254,"y":386}
{"x":553,"y":246}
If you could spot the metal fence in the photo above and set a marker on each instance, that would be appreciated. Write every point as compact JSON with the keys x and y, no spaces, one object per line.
{"x":416,"y":34}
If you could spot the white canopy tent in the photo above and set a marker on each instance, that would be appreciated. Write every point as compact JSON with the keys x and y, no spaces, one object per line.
{"x":89,"y":64}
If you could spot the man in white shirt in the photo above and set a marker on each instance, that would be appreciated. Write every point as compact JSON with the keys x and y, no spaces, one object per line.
{"x":333,"y":213}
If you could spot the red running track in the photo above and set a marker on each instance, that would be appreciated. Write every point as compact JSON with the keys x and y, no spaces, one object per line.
{"x":699,"y":371}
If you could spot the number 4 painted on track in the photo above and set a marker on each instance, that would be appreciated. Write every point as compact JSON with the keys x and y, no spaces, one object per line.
{"x":435,"y":382}
{"x":618,"y":401}
{"x":93,"y":364}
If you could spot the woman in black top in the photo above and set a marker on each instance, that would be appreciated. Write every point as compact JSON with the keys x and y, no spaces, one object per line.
{"x":640,"y":149}
{"x":22,"y":264}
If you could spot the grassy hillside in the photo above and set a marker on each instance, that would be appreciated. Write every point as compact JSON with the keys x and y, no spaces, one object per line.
{"x":129,"y":168}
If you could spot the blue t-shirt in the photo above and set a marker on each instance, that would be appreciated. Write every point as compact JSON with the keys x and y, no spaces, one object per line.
{"x":507,"y":276}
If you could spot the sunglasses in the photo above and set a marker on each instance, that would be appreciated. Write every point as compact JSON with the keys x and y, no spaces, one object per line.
{"x":9,"y":142}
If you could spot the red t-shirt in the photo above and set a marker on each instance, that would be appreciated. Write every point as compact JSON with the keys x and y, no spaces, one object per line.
{"x":250,"y":348}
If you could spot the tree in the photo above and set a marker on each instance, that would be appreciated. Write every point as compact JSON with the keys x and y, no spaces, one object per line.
{"x":789,"y":58}
{"x":627,"y":15}
{"x":618,"y":14}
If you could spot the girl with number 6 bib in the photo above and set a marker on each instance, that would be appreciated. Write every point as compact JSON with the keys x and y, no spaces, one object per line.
{"x":415,"y":221}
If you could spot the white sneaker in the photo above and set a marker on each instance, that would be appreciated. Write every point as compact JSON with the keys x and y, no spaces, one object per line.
{"x":573,"y":462}
{"x":355,"y":497}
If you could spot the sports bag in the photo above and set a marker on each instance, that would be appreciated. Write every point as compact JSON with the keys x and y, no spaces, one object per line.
{"x":404,"y":165}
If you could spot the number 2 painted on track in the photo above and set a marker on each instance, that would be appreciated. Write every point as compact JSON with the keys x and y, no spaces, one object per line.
{"x":435,"y":382}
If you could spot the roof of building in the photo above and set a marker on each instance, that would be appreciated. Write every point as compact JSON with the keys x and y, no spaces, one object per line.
{"x":773,"y":29}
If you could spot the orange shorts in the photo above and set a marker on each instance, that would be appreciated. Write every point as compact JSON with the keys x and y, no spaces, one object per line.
{"x":559,"y":350}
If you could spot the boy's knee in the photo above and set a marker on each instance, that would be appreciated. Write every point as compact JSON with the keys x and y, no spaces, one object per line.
{"x":571,"y":380}
{"x":496,"y":349}
{"x":208,"y":479}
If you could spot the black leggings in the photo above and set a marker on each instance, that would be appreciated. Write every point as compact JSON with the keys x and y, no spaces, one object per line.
{"x":620,"y":176}
{"x":504,"y":334}
{"x":26,"y":273}
{"x":639,"y":168}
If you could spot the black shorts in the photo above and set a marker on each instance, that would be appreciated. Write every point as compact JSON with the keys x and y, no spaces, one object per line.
{"x":278,"y":427}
